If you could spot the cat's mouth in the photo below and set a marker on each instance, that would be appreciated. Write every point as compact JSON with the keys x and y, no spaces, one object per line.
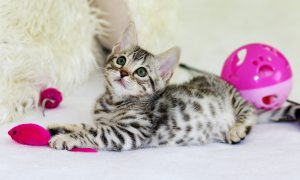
{"x":121,"y":82}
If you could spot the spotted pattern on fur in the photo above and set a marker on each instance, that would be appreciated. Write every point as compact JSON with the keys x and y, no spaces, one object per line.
{"x":144,"y":111}
{"x":203,"y":110}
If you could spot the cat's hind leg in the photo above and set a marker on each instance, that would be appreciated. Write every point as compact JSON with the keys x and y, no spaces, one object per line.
{"x":237,"y":133}
{"x":245,"y":118}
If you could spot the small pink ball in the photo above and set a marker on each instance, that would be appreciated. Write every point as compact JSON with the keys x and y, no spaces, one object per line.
{"x":52,"y":97}
{"x":260,"y":73}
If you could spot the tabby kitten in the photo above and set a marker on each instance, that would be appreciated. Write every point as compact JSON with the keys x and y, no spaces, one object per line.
{"x":139,"y":108}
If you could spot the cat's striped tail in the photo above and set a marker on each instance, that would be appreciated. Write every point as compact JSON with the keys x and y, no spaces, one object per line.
{"x":288,"y":112}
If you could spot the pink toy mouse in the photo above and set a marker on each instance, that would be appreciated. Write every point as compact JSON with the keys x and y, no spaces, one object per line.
{"x":35,"y":135}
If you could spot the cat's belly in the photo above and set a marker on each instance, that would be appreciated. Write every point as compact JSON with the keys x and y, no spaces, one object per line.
{"x":199,"y":121}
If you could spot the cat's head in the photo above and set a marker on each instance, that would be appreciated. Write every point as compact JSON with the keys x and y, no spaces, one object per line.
{"x":133,"y":71}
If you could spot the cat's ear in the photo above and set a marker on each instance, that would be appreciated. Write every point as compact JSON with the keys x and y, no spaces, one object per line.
{"x":127,"y":40}
{"x":116,"y":49}
{"x":167,"y":63}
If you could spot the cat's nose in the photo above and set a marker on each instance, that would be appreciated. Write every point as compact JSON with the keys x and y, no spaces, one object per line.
{"x":123,"y":73}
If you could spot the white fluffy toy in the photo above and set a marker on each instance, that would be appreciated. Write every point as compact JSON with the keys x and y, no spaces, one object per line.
{"x":52,"y":43}
{"x":43,"y":43}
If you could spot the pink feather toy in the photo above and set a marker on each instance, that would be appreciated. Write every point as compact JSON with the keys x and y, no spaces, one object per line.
{"x":35,"y":135}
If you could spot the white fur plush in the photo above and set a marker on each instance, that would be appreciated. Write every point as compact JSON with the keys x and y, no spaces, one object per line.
{"x":156,"y":23}
{"x":47,"y":43}
{"x":44,"y":43}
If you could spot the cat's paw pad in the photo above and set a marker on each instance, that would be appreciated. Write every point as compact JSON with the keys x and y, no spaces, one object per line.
{"x":236,"y":134}
{"x":63,"y":142}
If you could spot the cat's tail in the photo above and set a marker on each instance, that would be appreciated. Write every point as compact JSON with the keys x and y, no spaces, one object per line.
{"x":288,"y":112}
{"x":194,"y":71}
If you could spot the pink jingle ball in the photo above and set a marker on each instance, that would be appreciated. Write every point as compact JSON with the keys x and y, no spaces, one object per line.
{"x":260,"y":73}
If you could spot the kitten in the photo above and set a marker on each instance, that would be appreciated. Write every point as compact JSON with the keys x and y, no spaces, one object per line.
{"x":139,"y":108}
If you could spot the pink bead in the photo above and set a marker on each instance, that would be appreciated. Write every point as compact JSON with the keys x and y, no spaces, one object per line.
{"x":260,"y":73}
{"x":52,"y":97}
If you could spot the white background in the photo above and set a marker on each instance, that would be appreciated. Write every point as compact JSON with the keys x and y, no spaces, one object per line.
{"x":209,"y":30}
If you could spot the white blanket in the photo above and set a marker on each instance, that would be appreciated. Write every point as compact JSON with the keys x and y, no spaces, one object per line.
{"x":272,"y":151}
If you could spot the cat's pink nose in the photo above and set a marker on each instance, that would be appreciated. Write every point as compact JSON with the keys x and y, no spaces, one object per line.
{"x":123,"y":73}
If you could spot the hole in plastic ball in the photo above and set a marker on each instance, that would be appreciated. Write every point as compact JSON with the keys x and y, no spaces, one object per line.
{"x":268,"y":48}
{"x":266,"y":71}
{"x":254,"y":63}
{"x":268,"y":100}
{"x":256,"y":78}
{"x":241,"y":55}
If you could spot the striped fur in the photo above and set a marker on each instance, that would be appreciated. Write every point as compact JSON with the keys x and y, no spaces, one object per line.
{"x":290,"y":111}
{"x":194,"y":113}
{"x":139,"y":110}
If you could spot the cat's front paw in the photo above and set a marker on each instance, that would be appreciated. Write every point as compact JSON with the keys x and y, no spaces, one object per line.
{"x":63,"y":142}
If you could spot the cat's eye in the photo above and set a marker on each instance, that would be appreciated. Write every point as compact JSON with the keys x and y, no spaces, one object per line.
{"x":121,"y":60}
{"x":142,"y":72}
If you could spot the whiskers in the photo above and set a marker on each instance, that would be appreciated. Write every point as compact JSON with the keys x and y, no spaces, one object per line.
{"x":99,"y":67}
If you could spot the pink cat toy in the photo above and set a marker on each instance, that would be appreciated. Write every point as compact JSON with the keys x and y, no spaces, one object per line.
{"x":263,"y":75}
{"x":50,"y":98}
{"x":35,"y":135}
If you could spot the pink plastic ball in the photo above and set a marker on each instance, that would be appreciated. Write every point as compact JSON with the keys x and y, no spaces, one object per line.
{"x":260,"y":73}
